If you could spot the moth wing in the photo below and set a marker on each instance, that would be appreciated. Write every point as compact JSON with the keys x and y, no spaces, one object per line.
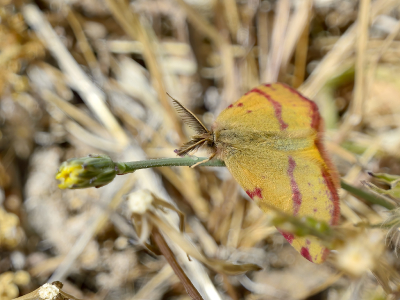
{"x":296,"y":184}
{"x":272,"y":107}
{"x":270,"y":140}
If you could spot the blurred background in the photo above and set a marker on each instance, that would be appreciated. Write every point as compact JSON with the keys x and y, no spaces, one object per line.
{"x":80,"y":77}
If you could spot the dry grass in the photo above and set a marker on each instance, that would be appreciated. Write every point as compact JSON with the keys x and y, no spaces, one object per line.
{"x":91,"y":76}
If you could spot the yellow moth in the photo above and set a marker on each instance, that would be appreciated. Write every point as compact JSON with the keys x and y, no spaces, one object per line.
{"x":271,"y":142}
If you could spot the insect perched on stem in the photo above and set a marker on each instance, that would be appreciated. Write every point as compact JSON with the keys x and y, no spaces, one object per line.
{"x":271,"y":142}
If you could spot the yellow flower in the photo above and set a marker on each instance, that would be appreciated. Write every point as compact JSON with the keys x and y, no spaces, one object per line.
{"x":92,"y":171}
{"x":68,"y":175}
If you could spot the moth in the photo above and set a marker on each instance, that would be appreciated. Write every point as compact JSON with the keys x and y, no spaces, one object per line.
{"x":271,"y":142}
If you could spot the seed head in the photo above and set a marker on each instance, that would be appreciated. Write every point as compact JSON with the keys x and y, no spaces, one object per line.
{"x":48,"y":291}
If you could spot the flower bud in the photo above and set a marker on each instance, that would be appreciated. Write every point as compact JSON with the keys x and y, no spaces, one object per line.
{"x":392,"y":180}
{"x":94,"y":170}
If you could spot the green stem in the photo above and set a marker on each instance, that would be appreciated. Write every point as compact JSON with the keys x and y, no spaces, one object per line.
{"x":189,"y":161}
{"x":367,"y":196}
{"x":132,"y":166}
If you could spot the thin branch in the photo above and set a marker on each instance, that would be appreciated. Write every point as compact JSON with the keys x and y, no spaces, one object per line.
{"x":169,"y":256}
{"x":130,"y":22}
{"x":77,"y":79}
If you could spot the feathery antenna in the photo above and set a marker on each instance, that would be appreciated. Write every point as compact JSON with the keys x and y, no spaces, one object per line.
{"x":188,"y":117}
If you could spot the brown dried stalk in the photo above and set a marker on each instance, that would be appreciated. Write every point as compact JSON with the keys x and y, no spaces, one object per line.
{"x":169,"y":256}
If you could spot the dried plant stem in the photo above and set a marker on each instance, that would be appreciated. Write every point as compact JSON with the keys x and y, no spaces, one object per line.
{"x":354,"y":117}
{"x":327,"y":283}
{"x":84,"y":45}
{"x":130,"y":22}
{"x":340,"y":52}
{"x":156,"y":283}
{"x":223,"y":45}
{"x":169,"y":256}
{"x":362,"y":40}
{"x":202,"y":25}
{"x":232,"y":16}
{"x":262,"y":37}
{"x":278,"y":40}
{"x":78,"y":80}
{"x":298,"y":24}
{"x":300,"y":56}
{"x":92,"y":228}
{"x":73,"y":112}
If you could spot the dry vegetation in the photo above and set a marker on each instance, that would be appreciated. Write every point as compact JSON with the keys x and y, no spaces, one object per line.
{"x":80,"y":77}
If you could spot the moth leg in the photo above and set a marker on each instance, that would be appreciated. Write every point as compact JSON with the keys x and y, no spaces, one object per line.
{"x":204,"y":161}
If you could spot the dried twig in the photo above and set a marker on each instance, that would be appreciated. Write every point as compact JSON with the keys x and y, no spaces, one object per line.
{"x":278,"y":40}
{"x":129,"y":21}
{"x":342,"y":49}
{"x":169,"y":256}
{"x":90,"y":93}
